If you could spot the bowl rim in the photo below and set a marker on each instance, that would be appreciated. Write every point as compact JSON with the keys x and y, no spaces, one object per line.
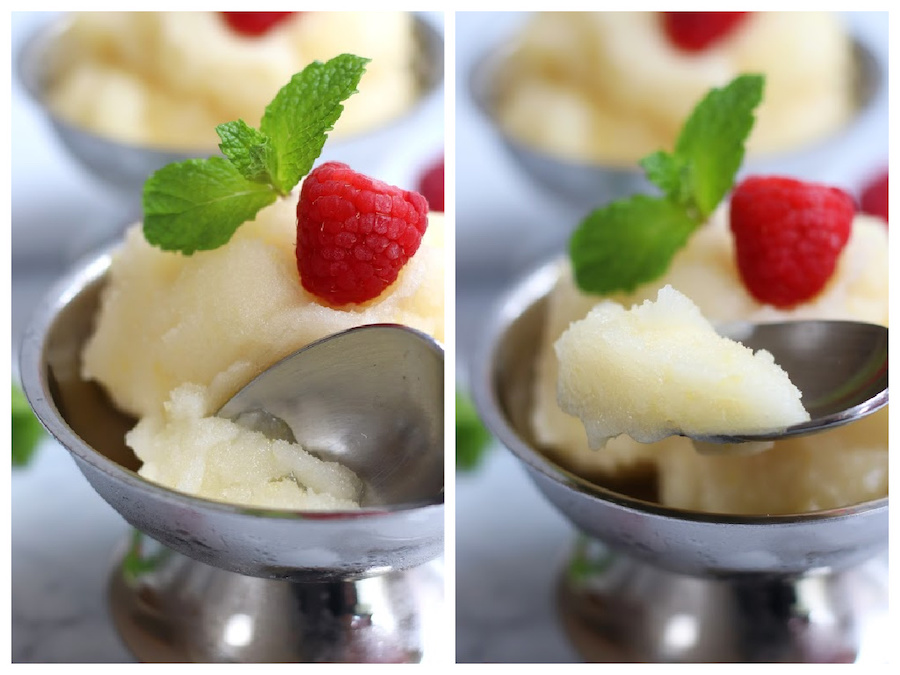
{"x":870,"y":82}
{"x":34,"y":377}
{"x":528,"y":291}
{"x":29,"y":71}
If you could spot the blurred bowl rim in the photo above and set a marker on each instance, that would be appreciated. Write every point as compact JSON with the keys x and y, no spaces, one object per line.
{"x":867,"y":87}
{"x":31,"y":72}
{"x":531,"y":289}
{"x":34,"y":377}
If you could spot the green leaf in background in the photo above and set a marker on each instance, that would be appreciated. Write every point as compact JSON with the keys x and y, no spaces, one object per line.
{"x":472,"y":437}
{"x":27,"y":431}
{"x":589,"y":560}
{"x":138,"y":562}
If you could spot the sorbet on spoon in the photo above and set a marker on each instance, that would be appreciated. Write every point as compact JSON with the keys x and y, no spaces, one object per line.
{"x":661,"y":369}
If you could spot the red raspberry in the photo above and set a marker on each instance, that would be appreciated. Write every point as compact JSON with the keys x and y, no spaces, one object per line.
{"x":354,"y":233}
{"x":431,"y":185}
{"x":787,"y":236}
{"x":695,"y":31}
{"x":874,"y":199}
{"x":254,"y":23}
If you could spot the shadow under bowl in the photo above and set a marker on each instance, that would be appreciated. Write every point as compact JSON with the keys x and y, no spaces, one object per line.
{"x":686,"y":542}
{"x":587,"y":185}
{"x":126,"y":166}
{"x":304,"y":546}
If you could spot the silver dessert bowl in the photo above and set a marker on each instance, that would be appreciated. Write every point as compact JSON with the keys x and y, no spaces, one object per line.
{"x":125,"y":166}
{"x":586,"y":185}
{"x":659,"y":563}
{"x":223,"y":560}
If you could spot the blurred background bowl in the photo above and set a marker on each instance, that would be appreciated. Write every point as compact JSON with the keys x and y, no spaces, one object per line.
{"x":124,"y":167}
{"x":587,"y":185}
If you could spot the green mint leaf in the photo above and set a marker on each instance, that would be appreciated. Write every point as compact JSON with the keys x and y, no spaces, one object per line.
{"x":712,"y":140}
{"x":472,"y":437}
{"x":299,"y":118}
{"x":27,"y":430}
{"x":249,"y":150}
{"x":198,"y":204}
{"x":628,"y":243}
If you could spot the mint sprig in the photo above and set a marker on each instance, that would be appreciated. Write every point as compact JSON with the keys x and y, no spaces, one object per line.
{"x":632,"y":241}
{"x":198,"y":204}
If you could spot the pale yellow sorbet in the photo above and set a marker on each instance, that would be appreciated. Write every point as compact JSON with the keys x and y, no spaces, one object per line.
{"x":660,"y":369}
{"x":844,"y":466}
{"x":189,"y":449}
{"x":609,"y":87}
{"x":214,"y":320}
{"x":167,"y":79}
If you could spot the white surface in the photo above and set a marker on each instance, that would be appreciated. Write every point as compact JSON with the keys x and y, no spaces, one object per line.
{"x":63,"y":535}
{"x":511,"y":545}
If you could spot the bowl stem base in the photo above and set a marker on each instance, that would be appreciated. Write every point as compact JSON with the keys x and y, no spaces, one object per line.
{"x":617,"y":609}
{"x":169,"y":608}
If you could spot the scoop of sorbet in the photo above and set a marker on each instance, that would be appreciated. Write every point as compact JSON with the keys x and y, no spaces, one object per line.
{"x":661,"y":369}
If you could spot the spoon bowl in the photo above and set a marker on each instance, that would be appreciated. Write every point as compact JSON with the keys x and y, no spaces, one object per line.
{"x":369,"y":398}
{"x":841,"y":368}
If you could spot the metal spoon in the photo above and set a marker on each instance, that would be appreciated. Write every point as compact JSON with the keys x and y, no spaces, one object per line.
{"x":841,"y":368}
{"x":370,"y":398}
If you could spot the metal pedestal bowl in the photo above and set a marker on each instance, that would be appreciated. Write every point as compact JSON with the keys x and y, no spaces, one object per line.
{"x":652,"y":583}
{"x":233,"y":583}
